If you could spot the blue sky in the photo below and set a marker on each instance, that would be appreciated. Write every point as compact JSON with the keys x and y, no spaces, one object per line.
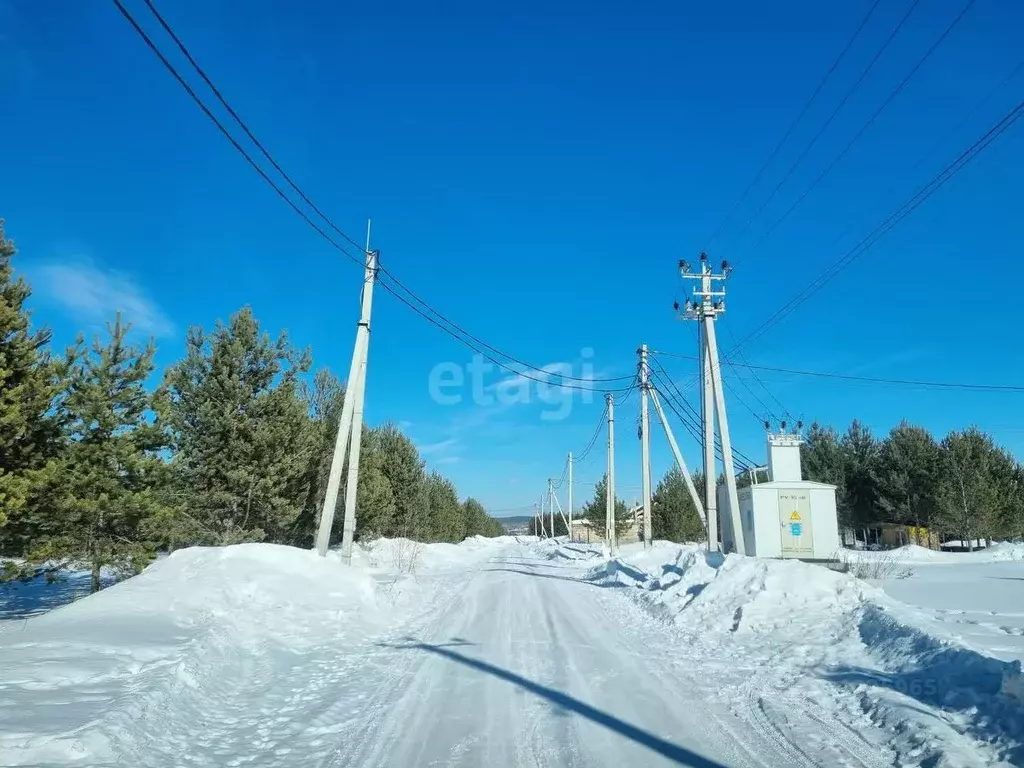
{"x":535,"y":171}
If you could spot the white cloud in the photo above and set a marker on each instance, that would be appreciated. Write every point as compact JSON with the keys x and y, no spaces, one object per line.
{"x":447,"y":460}
{"x":438,"y":447}
{"x":94,"y":295}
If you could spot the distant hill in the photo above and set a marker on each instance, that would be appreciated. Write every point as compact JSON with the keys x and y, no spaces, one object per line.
{"x":515,"y":522}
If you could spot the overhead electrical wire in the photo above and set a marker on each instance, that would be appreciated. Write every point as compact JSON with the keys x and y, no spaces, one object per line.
{"x":757,"y":378}
{"x":692,"y":421}
{"x":227,"y":134}
{"x":835,"y":112}
{"x":863,"y":129}
{"x":867,"y":379}
{"x":484,"y":344}
{"x":792,"y":126}
{"x":890,"y":222}
{"x":441,"y":321}
{"x":241,"y":123}
{"x":543,"y":379}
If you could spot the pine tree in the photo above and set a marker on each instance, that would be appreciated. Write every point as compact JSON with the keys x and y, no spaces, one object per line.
{"x":242,"y":432}
{"x":446,"y":514}
{"x":476,"y":517}
{"x":111,"y":480}
{"x":673,"y":514}
{"x":969,"y":497}
{"x":30,"y":427}
{"x":376,"y":507}
{"x":594,"y":510}
{"x":909,"y":475}
{"x":861,"y":474}
{"x":324,"y":398}
{"x":403,"y":468}
{"x":823,"y":460}
{"x":478,"y":522}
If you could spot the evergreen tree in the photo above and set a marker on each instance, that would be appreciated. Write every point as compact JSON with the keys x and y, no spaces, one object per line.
{"x":242,"y":432}
{"x":594,"y":510}
{"x":1005,"y":521}
{"x":909,"y":475}
{"x":30,"y":428}
{"x":823,"y":460}
{"x":112,"y":479}
{"x":478,"y":522}
{"x":673,"y":514}
{"x":862,"y":487}
{"x":376,"y":508}
{"x":476,"y":517}
{"x":402,"y":466}
{"x":446,"y":514}
{"x":324,"y":398}
{"x":969,"y":497}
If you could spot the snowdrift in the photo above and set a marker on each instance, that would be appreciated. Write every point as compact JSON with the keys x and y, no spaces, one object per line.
{"x":999,"y":552}
{"x":802,"y":621}
{"x":197,"y":634}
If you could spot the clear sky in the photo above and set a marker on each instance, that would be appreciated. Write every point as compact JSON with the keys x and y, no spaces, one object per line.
{"x":534,"y":170}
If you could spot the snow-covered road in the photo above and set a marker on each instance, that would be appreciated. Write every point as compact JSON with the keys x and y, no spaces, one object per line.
{"x":490,"y":654}
{"x":527,"y":665}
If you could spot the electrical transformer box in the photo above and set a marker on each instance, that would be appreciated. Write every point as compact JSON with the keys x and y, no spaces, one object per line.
{"x":787,"y":516}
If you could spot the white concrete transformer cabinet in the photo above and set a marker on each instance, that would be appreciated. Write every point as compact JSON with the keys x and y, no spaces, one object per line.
{"x":787,"y":516}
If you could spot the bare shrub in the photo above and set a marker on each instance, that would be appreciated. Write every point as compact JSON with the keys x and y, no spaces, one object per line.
{"x":405,"y":556}
{"x":879,"y":566}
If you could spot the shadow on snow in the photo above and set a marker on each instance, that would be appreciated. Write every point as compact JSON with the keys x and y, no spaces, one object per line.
{"x":666,"y":749}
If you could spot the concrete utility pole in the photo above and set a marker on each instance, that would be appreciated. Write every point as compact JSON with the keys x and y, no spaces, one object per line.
{"x":570,"y":495}
{"x":645,"y":444}
{"x":707,"y":303}
{"x":613,"y":545}
{"x":551,"y":505}
{"x":708,"y":414}
{"x":350,"y":426}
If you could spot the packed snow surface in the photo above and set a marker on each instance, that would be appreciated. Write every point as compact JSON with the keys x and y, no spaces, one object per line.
{"x":514,"y":652}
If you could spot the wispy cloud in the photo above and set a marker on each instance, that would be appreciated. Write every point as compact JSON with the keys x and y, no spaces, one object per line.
{"x":93,"y":295}
{"x":447,"y":460}
{"x":438,"y":447}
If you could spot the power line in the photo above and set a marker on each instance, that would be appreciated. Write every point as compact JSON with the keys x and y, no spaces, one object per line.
{"x":868,"y":379}
{"x":216,"y":92}
{"x":482,"y":343}
{"x":694,"y":420}
{"x":889,"y":99}
{"x":792,"y":126}
{"x":889,"y":223}
{"x":319,"y":230}
{"x":691,"y":421}
{"x":835,"y":112}
{"x":757,"y":378}
{"x":564,"y":385}
{"x":227,"y":134}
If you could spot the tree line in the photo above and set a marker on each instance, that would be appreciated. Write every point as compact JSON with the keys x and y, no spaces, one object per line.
{"x":104,"y":461}
{"x":963,"y":486}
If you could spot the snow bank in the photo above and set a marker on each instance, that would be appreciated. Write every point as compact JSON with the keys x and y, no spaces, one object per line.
{"x":77,"y":678}
{"x":911,"y":553}
{"x":201,"y":639}
{"x":793,"y":621}
{"x":404,"y":556}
